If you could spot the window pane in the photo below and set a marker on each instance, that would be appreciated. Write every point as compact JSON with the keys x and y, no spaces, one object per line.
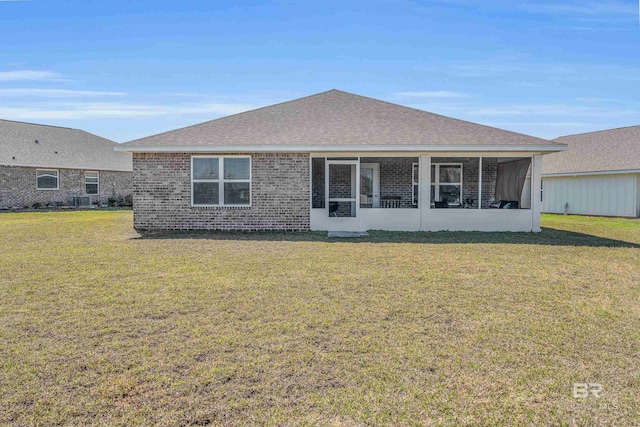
{"x":91,"y":175}
{"x":205,"y":193}
{"x":237,"y":193}
{"x":433,"y":173}
{"x":450,"y":173}
{"x":433,"y":193}
{"x":236,"y":168}
{"x":47,"y":181}
{"x":92,"y":188}
{"x":205,"y":168}
{"x":415,"y":174}
{"x":450,"y":194}
{"x":89,"y":180}
{"x":415,"y":194}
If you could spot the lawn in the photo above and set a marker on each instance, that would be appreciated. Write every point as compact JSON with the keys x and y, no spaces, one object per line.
{"x":102,"y":326}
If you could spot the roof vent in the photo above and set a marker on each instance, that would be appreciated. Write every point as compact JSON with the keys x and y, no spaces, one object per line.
{"x":36,"y":141}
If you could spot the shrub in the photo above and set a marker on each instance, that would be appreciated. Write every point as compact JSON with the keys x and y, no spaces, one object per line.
{"x":126,"y":201}
{"x":36,"y":205}
{"x":112,"y":201}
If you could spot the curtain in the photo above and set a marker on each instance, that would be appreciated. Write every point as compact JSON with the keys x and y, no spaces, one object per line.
{"x":510,"y":180}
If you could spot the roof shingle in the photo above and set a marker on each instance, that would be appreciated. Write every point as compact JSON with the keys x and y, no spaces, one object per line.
{"x":58,"y":147}
{"x":607,"y":150}
{"x":337,"y":118}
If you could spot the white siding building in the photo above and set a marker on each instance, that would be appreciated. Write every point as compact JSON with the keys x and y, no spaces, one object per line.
{"x":598,"y":175}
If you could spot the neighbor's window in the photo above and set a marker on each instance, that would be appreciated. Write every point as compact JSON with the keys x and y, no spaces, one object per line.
{"x":446,"y":183}
{"x":416,"y":179}
{"x":46,"y":179}
{"x":220,"y":181}
{"x":91,"y":183}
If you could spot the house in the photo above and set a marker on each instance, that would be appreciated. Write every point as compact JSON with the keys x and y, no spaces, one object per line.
{"x":42,"y":164}
{"x":598,"y":175}
{"x":339,"y":162}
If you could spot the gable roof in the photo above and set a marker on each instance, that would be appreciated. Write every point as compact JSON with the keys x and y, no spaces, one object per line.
{"x":58,"y":147}
{"x":334,"y":119}
{"x":602,"y":151}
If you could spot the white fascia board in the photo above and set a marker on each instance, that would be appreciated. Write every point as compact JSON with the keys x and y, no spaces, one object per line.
{"x":49,"y":166}
{"x":614,"y":172}
{"x":335,"y":148}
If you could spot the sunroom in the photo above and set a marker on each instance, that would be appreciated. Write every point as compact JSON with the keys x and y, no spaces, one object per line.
{"x":464,"y":192}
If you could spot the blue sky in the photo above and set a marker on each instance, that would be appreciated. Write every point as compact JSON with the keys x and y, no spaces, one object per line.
{"x":127,"y":69}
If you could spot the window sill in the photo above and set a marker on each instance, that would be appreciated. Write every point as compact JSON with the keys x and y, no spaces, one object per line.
{"x":214,"y":207}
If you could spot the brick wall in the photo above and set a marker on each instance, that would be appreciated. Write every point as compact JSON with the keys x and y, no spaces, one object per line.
{"x":279,"y":194}
{"x":489,"y":175}
{"x":18,"y":186}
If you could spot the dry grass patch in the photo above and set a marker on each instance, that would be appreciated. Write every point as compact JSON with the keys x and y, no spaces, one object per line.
{"x":99,"y":325}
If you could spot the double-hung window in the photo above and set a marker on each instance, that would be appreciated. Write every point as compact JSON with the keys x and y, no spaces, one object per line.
{"x":91,"y":183}
{"x":446,"y":183}
{"x":47,"y":179}
{"x":221,"y":181}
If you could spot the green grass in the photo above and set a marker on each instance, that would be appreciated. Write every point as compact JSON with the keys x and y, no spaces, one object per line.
{"x":99,"y":325}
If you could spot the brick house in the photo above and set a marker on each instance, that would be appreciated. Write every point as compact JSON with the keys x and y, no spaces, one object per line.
{"x":42,"y":164}
{"x":338,"y":162}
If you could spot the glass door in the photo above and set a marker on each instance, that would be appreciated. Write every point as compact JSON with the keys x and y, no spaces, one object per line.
{"x":342,"y":195}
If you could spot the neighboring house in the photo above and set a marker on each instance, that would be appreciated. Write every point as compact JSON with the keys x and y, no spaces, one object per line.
{"x":42,"y":164}
{"x":598,"y":175}
{"x":337,"y":161}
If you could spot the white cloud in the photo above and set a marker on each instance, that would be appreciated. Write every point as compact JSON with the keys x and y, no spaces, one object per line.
{"x":550,"y":110}
{"x":55,"y":93}
{"x":33,"y":75}
{"x":109,"y":110}
{"x":433,"y":94}
{"x":583,"y":8}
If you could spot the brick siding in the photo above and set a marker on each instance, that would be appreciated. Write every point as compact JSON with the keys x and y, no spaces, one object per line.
{"x":279,"y":194}
{"x":18,"y":186}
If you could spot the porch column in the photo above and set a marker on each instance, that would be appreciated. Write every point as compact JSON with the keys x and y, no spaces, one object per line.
{"x":536,"y":180}
{"x":424,"y":185}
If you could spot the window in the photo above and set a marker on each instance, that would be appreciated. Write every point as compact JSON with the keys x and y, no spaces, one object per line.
{"x":416,"y":179}
{"x":46,"y":179}
{"x":91,"y":183}
{"x":446,"y":183}
{"x":220,"y":181}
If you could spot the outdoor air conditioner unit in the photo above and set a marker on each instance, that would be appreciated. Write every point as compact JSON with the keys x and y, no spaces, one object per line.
{"x":81,"y":201}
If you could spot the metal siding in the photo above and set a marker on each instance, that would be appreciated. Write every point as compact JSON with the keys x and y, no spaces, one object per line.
{"x":608,"y":195}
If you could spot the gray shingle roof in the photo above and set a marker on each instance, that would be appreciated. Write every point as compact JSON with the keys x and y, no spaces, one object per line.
{"x":337,"y":118}
{"x":607,"y":150}
{"x":58,"y":147}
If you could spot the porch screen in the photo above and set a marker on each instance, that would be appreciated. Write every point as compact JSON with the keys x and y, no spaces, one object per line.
{"x":317,"y":183}
{"x":510,"y":180}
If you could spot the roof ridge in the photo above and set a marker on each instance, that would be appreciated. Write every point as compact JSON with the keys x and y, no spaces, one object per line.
{"x":234,"y":115}
{"x":597,"y":131}
{"x":37,"y":124}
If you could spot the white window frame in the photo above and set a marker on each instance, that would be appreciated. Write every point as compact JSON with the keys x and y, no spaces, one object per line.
{"x":435,"y":181}
{"x":85,"y":183}
{"x":57,"y":175}
{"x":415,"y":182}
{"x":221,"y":181}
